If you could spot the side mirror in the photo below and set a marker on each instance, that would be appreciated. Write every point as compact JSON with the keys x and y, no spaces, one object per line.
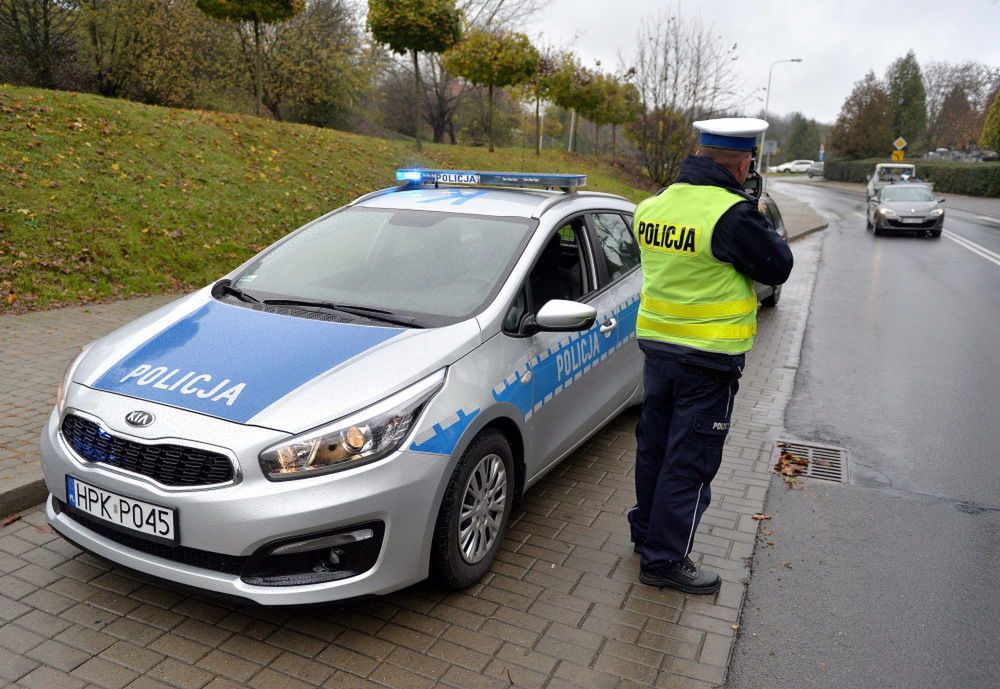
{"x":559,"y":315}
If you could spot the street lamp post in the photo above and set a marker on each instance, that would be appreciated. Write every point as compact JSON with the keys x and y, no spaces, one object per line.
{"x":767,"y":101}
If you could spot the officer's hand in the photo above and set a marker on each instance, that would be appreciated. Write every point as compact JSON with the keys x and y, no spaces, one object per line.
{"x":761,"y":207}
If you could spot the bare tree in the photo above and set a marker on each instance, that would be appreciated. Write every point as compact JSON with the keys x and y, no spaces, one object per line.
{"x":683,"y":72}
{"x":977,"y":81}
{"x":443,"y":92}
{"x":42,"y":33}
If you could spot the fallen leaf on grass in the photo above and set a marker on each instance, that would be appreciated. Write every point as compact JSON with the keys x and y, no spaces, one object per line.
{"x":11,"y":519}
{"x":761,"y":516}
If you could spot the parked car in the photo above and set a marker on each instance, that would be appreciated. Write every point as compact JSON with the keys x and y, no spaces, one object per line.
{"x":360,"y":404}
{"x":815,"y":170}
{"x":793,"y":166}
{"x":906,"y":208}
{"x":889,"y":173}
{"x":770,"y":294}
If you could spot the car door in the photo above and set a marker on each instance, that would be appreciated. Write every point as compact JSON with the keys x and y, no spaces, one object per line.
{"x":619,"y":272}
{"x":570,"y":376}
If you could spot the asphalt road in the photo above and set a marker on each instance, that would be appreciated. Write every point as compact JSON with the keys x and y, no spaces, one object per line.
{"x":892,"y":579}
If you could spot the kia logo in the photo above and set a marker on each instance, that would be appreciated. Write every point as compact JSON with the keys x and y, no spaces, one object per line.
{"x":139,"y":418}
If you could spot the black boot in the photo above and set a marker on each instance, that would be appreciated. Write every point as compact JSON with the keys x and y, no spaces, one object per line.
{"x":685,"y":576}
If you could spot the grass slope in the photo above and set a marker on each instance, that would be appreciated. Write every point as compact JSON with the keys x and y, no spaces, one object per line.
{"x":102,"y":199}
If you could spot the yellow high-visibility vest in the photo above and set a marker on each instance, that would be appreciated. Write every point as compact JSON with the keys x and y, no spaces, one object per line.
{"x":689,"y":297}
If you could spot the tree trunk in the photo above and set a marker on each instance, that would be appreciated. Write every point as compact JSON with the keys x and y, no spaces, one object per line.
{"x":572,"y":129}
{"x":490,"y":117}
{"x":416,"y":99}
{"x":614,"y":149}
{"x":538,"y":128}
{"x":258,"y":80}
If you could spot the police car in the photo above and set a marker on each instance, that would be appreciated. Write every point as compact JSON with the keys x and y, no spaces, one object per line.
{"x":361,"y":404}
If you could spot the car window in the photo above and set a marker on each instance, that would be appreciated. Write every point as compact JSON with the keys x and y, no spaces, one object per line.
{"x":563,"y":269}
{"x":618,"y":246}
{"x":442,"y":265}
{"x":774,"y":215}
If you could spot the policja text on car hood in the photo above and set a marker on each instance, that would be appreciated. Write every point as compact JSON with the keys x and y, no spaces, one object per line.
{"x":265,"y":369}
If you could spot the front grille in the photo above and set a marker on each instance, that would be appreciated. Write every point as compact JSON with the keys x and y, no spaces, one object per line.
{"x":169,"y":465}
{"x":924,"y":224}
{"x":202,"y":559}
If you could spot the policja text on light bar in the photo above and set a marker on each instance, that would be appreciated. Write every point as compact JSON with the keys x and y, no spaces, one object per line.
{"x":477,"y":177}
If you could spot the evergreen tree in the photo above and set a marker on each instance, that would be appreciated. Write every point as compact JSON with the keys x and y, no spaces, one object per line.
{"x":803,"y":140}
{"x":908,"y":100}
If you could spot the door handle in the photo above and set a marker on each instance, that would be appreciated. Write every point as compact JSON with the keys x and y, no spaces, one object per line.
{"x":608,"y":325}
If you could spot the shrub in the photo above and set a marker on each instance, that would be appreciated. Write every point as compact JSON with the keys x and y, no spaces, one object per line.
{"x":974,"y":179}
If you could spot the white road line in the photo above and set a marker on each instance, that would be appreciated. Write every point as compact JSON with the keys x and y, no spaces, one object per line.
{"x":987,"y":218}
{"x":973,"y":247}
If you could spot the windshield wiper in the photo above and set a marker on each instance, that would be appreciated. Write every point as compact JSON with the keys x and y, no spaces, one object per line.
{"x":228,"y":288}
{"x":366,"y":311}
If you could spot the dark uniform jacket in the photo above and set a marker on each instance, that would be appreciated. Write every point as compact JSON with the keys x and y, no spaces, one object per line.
{"x":743,"y":237}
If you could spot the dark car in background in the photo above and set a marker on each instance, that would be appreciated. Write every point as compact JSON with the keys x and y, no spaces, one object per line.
{"x":906,"y":208}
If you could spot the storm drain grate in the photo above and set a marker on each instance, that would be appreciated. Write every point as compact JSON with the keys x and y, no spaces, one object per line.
{"x":825,"y":462}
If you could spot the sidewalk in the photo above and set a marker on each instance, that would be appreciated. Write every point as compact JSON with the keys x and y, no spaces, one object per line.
{"x":560,"y":608}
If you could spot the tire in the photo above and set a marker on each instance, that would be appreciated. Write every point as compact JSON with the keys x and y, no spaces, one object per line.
{"x":772,"y":300}
{"x":875,"y":230}
{"x":936,"y":234}
{"x":481,"y":463}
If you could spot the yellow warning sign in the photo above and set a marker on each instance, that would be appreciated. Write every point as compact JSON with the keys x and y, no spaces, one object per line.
{"x":897,"y":156}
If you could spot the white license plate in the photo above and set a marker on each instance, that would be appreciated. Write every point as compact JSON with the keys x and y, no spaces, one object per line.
{"x":121,"y":512}
{"x":913,"y":221}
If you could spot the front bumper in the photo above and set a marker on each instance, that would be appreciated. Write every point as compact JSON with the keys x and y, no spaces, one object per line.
{"x":236,"y":521}
{"x":896,"y":225}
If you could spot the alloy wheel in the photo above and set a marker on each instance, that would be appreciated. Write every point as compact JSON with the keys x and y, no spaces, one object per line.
{"x":481,"y":515}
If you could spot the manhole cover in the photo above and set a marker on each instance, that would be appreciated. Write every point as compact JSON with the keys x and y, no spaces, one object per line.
{"x":824,"y":462}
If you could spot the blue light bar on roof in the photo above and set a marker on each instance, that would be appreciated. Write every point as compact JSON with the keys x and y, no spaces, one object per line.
{"x":503,"y":179}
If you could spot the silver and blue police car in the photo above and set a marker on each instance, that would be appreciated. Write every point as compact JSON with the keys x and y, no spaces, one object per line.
{"x":360,"y":405}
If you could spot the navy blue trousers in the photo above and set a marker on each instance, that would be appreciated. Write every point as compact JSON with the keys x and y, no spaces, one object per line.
{"x":685,"y":418}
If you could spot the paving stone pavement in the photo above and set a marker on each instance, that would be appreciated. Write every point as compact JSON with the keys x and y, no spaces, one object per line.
{"x":560,"y":608}
{"x":35,"y":349}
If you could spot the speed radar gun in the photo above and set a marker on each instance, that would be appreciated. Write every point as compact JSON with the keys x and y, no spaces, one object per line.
{"x":736,"y":134}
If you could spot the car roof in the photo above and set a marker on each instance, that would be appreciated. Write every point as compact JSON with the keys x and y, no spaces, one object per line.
{"x":494,"y":201}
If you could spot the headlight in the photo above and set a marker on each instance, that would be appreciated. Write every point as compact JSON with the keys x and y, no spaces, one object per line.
{"x":937,"y":212}
{"x":361,"y":438}
{"x":68,"y":378}
{"x":887,"y":212}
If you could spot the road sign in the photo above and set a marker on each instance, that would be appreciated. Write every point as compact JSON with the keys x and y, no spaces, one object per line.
{"x":900,"y":144}
{"x":770,"y":147}
{"x":897,"y":156}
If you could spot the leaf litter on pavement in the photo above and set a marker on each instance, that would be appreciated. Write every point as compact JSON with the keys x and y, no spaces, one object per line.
{"x":790,"y":466}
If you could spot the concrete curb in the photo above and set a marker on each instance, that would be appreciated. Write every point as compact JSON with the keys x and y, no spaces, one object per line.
{"x":808,"y":231}
{"x":16,"y":498}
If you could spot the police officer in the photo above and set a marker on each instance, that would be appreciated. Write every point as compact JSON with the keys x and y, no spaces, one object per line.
{"x":703,"y":242}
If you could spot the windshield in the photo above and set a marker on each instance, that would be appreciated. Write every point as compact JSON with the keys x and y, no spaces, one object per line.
{"x":907,"y":194}
{"x":896,"y":172}
{"x":424,"y":263}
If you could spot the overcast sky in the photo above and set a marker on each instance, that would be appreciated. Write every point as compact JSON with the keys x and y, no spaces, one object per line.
{"x":838,"y":40}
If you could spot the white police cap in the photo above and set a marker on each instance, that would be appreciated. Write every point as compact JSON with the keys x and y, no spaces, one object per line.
{"x":738,"y":133}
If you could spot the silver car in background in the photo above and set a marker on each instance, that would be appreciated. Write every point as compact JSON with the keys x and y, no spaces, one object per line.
{"x":361,"y":404}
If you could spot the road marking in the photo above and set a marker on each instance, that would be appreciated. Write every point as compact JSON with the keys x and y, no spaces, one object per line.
{"x":987,"y":218}
{"x":991,"y":256}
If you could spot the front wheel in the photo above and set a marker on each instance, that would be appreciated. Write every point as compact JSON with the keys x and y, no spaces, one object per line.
{"x":772,"y":300}
{"x":474,"y":512}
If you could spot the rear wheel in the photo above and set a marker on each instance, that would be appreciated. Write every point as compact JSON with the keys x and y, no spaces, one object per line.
{"x":474,"y":512}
